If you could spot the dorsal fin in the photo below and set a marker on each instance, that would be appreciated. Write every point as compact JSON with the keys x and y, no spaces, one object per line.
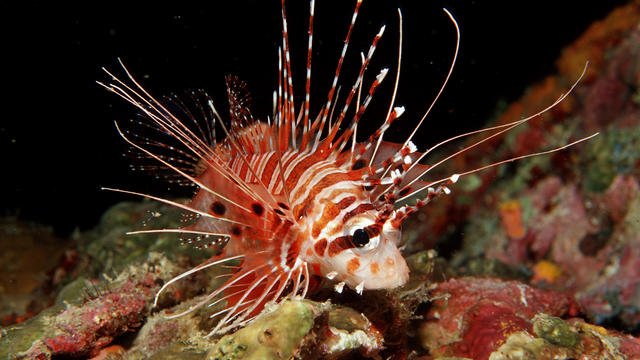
{"x":191,"y":107}
{"x":239,"y":102}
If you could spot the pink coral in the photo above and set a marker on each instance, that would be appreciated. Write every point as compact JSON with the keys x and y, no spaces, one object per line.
{"x":83,"y":330}
{"x":473,"y":317}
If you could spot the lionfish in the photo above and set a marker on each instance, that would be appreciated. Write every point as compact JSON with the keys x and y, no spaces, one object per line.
{"x":295,"y":197}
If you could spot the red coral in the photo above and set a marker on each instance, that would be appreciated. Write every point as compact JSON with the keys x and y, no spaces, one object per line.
{"x":616,"y":199}
{"x":87,"y":329}
{"x":474,"y":317}
{"x":488,"y":326}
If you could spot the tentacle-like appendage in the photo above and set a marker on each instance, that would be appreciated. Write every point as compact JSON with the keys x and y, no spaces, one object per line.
{"x":193,"y":271}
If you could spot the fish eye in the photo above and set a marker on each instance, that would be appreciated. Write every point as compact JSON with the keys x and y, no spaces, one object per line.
{"x":363,"y":242}
{"x":360,"y":238}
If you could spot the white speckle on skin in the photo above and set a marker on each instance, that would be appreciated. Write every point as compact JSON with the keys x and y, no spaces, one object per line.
{"x":412,"y":147}
{"x":382,"y":74}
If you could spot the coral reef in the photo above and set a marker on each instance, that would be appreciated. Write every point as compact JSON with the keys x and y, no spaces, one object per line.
{"x":586,"y":245}
{"x":83,"y":327}
{"x":558,"y":339}
{"x":567,"y":221}
{"x":494,"y":319}
{"x":33,"y":262}
{"x":275,"y":335}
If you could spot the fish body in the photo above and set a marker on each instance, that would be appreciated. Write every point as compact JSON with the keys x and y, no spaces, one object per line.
{"x":315,"y":225}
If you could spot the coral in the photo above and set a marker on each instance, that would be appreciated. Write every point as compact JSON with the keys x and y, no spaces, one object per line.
{"x":605,"y":101}
{"x":494,"y":319}
{"x":616,"y":152}
{"x":584,"y":245}
{"x":112,"y":250}
{"x":554,"y":338}
{"x":78,"y":327}
{"x":511,"y":215}
{"x":110,"y":353}
{"x":567,"y":218}
{"x":546,"y":271}
{"x":276,"y":335}
{"x":33,"y":262}
{"x":613,"y":292}
{"x":597,"y":39}
{"x":300,"y":329}
{"x":349,"y":330}
{"x":555,"y":331}
{"x":162,"y":338}
{"x":473,"y":317}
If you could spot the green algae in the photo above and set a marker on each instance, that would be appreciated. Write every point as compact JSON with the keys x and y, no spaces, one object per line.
{"x":19,"y":338}
{"x":495,"y":268}
{"x":555,"y":330}
{"x":111,"y":249}
{"x":424,"y":261}
{"x":477,"y":234}
{"x":613,"y":152}
{"x":275,"y":335}
{"x":16,"y":339}
{"x":559,"y":339}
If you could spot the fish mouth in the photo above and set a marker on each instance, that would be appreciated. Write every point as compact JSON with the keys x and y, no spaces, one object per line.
{"x":390,"y":277}
{"x":388,"y":271}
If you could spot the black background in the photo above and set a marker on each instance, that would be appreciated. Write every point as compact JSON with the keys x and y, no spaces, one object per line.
{"x":57,"y":136}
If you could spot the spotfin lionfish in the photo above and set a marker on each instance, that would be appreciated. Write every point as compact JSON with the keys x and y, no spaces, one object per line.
{"x":295,"y":197}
